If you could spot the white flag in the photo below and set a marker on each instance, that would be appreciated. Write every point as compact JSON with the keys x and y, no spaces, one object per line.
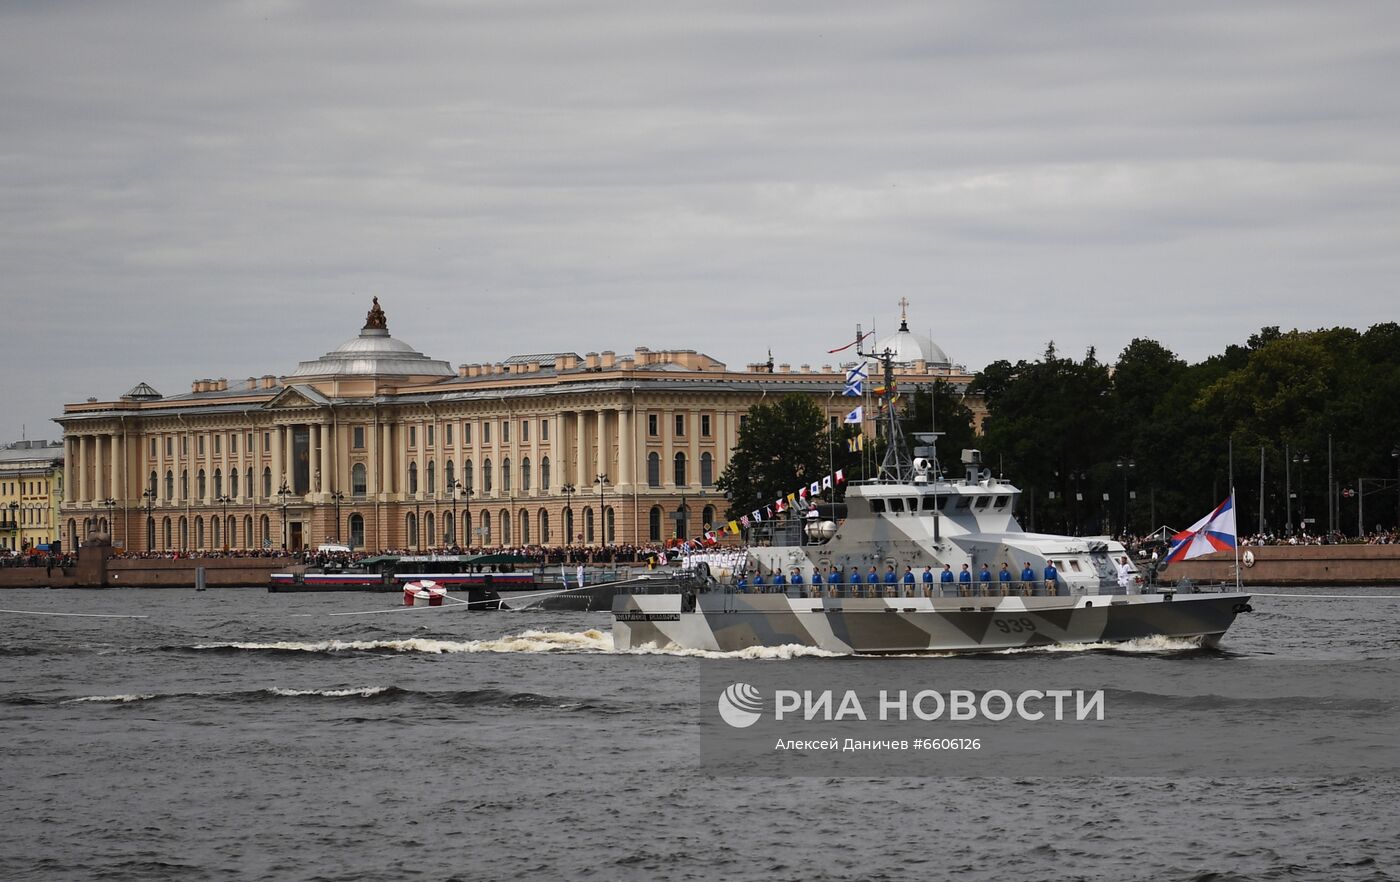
{"x":856,"y":416}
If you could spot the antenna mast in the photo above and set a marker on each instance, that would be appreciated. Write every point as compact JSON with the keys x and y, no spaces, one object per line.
{"x":897,"y":465}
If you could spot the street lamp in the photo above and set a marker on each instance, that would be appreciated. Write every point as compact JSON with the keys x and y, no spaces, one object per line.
{"x":336,"y":497}
{"x":467,"y":493}
{"x":223,"y":527}
{"x":601,"y":481}
{"x":453,"y":487}
{"x":568,"y":490}
{"x":109,"y":503}
{"x":1125,"y":466}
{"x":282,"y":493}
{"x":1300,"y":460}
{"x":149,"y":494}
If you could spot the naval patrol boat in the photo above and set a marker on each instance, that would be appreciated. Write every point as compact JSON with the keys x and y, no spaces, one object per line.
{"x":912,"y":516}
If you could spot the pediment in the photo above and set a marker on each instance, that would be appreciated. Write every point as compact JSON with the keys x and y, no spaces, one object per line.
{"x":297,"y":397}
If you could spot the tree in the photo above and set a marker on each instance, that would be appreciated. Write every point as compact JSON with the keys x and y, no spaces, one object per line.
{"x":951,"y":419}
{"x":782,"y":446}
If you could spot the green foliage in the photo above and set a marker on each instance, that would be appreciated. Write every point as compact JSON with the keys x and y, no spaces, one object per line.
{"x":782,"y":446}
{"x":949,"y":416}
{"x":1064,"y":426}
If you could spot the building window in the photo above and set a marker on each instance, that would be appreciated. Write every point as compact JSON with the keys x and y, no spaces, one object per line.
{"x":412,"y":436}
{"x":153,"y":448}
{"x":411,"y":529}
{"x":449,"y":476}
{"x":485,"y":528}
{"x":524,"y":433}
{"x":184,"y":490}
{"x":707,"y":470}
{"x":430,"y":529}
{"x":467,"y":474}
{"x":505,"y":434}
{"x":588,"y":525}
{"x":169,"y":534}
{"x":169,"y":446}
{"x":248,"y":530}
{"x":357,"y":438}
{"x":218,"y":450}
{"x":200,"y":445}
{"x":413,"y":477}
{"x":249,"y":483}
{"x":447,"y":437}
{"x":267,"y":442}
{"x":431,"y":433}
{"x":218,"y":482}
{"x":466,"y":433}
{"x":505,"y":479}
{"x":357,"y":531}
{"x":267,"y":483}
{"x":264,"y":528}
{"x":432,"y":481}
{"x":525,"y":475}
{"x":743,"y":421}
{"x":653,"y":423}
{"x":544,"y":436}
{"x":707,"y":518}
{"x":704,"y":425}
{"x":233,"y":483}
{"x":524,"y":527}
{"x":653,"y":469}
{"x":486,"y":476}
{"x":680,"y":425}
{"x":357,"y":479}
{"x":199,"y":484}
{"x":505,"y":527}
{"x":544,"y":527}
{"x":485,"y":433}
{"x":233,"y":444}
{"x":654,"y":524}
{"x":544,"y":474}
{"x":609,"y":525}
{"x":249,"y":448}
{"x":680,"y":470}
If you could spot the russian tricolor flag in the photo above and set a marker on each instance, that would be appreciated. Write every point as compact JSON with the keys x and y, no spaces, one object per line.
{"x":1214,"y":532}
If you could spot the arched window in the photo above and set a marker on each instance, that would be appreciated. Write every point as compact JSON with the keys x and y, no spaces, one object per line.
{"x":150,"y":534}
{"x":200,"y":485}
{"x":357,"y":479}
{"x":486,"y":475}
{"x":467,"y":476}
{"x":184,"y":534}
{"x":185,"y":484}
{"x":218,"y":482}
{"x":505,"y":527}
{"x":568,"y":526}
{"x":153,"y":485}
{"x":169,"y":486}
{"x":680,"y":470}
{"x":707,"y":518}
{"x":410,"y":523}
{"x":525,"y":475}
{"x":707,"y":470}
{"x":248,"y":530}
{"x":449,"y":529}
{"x":357,"y":531}
{"x":249,"y":483}
{"x":486,"y":528}
{"x":432,"y":479}
{"x":588,"y":525}
{"x":609,"y":526}
{"x":232,"y":528}
{"x":413,"y":477}
{"x":267,"y":483}
{"x":449,"y":475}
{"x":653,"y":469}
{"x":466,"y":528}
{"x":524,"y":527}
{"x":505,"y":476}
{"x":265,"y":529}
{"x":544,"y":526}
{"x":654,"y":524}
{"x":233,"y":482}
{"x":199,"y":532}
{"x":169,"y":532}
{"x":544,"y":475}
{"x":429,"y":533}
{"x":682,"y":522}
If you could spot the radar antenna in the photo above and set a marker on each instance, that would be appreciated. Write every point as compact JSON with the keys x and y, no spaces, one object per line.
{"x":897,"y":466}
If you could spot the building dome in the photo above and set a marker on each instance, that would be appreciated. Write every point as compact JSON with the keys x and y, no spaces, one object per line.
{"x":909,"y":347}
{"x":373,"y":354}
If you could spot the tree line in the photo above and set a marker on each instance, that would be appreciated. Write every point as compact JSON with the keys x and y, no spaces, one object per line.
{"x":1144,"y":441}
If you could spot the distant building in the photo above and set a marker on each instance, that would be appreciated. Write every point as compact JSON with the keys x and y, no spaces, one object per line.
{"x":379,"y":446}
{"x":31,"y":487}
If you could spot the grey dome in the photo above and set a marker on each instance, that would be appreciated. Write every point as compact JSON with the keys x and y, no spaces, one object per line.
{"x":374,"y":354}
{"x":909,"y":347}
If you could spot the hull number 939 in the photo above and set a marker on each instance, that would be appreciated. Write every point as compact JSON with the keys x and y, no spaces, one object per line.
{"x":1020,"y":625}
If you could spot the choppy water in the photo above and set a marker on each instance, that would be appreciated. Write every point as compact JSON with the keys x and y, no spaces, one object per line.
{"x":242,"y":735}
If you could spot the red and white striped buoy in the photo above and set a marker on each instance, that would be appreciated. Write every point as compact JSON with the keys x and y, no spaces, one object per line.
{"x":424,"y":593}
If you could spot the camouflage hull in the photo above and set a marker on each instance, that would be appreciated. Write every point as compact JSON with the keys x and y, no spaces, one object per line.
{"x":726,"y":622}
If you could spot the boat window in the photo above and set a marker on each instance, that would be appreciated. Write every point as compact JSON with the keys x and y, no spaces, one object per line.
{"x":896,"y":504}
{"x":930,"y":503}
{"x":964,"y":502}
{"x":1074,"y":565}
{"x":913,"y":503}
{"x":877,"y":506}
{"x":1002,"y":500}
{"x":942,"y":503}
{"x":983,"y":502}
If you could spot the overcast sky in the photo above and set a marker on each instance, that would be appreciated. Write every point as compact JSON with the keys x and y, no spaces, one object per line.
{"x":217,"y":189}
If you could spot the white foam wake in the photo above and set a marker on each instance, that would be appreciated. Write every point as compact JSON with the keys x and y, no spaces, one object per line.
{"x":120,"y":699}
{"x":786,"y":651}
{"x":359,"y":692}
{"x":1156,"y":643}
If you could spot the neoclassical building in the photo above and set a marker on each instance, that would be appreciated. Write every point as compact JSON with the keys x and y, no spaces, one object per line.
{"x":31,"y":483}
{"x":378,"y":446}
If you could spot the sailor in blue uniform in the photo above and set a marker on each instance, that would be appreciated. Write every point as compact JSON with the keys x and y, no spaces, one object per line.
{"x":1052,"y":578}
{"x":984,"y":574}
{"x":1027,"y":576}
{"x":1005,"y":575}
{"x":945,"y":579}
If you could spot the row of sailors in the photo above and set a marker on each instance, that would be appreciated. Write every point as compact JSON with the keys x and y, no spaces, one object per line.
{"x":836,"y":576}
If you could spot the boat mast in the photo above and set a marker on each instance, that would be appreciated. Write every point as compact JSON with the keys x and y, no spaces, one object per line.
{"x":897,"y":465}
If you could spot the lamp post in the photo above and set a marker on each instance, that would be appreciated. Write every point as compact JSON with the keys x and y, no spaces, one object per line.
{"x":1300,"y":460}
{"x":110,"y":504}
{"x":282,"y":493}
{"x":149,"y":494}
{"x":602,"y":481}
{"x":418,"y":522}
{"x":467,"y":512}
{"x":1125,"y":466}
{"x":450,"y":533}
{"x":223,"y":527}
{"x":336,"y":497}
{"x":568,"y":491}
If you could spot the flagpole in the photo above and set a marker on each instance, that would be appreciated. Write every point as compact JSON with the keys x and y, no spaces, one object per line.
{"x":1235,"y":511}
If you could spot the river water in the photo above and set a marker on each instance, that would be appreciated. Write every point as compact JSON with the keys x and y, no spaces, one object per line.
{"x":235,"y":734}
